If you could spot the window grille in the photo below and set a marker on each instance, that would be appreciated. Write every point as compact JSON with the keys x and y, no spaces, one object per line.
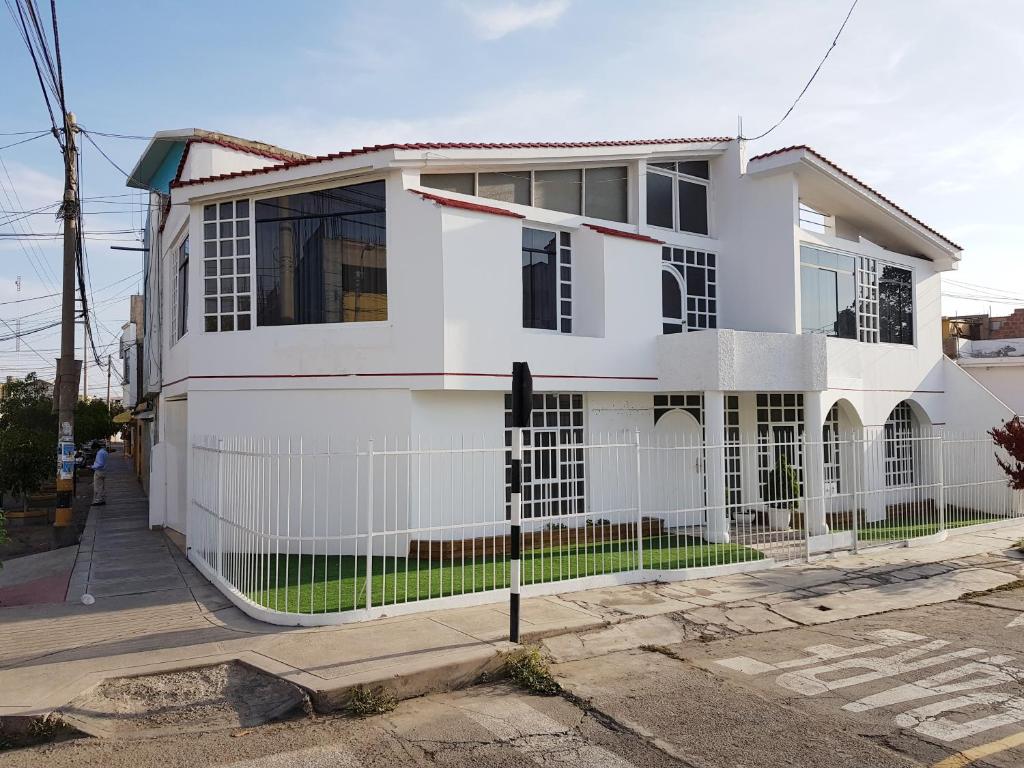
{"x":553,"y":460}
{"x":899,"y":446}
{"x":699,"y":272}
{"x":227,"y":266}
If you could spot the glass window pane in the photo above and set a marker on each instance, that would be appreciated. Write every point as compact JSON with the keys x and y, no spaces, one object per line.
{"x":210,"y":323}
{"x":210,"y":268}
{"x":462,"y":183}
{"x":540,"y":271}
{"x":226,"y":211}
{"x":244,"y":322}
{"x":846,"y":299}
{"x":693,"y":207}
{"x":671,"y":296}
{"x":558,"y":190}
{"x":606,"y":190}
{"x":896,"y":305}
{"x":698,"y":168}
{"x":666,"y":166}
{"x":321,"y":257}
{"x":659,"y":200}
{"x":209,"y":213}
{"x":809,"y":319}
{"x":508,"y":187}
{"x":242,"y":210}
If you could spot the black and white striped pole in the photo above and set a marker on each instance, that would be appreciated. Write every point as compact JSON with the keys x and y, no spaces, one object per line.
{"x":522,"y":404}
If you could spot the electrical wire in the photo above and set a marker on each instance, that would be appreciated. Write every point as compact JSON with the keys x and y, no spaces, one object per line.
{"x":817,"y":69}
{"x":25,"y":141}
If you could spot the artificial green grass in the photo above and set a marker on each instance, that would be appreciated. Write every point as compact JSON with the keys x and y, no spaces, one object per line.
{"x":888,"y":531}
{"x":319,"y":584}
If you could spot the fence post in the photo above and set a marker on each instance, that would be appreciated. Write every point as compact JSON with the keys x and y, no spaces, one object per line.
{"x":941,"y":479}
{"x":639,"y":506}
{"x":369,"y":524}
{"x":220,"y":507}
{"x":515,"y":533}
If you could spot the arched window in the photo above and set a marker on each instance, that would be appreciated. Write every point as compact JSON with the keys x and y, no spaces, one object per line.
{"x":672,"y":292}
{"x":900,"y":430}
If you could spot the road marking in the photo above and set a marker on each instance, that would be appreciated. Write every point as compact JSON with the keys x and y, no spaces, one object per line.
{"x":968,"y":756}
{"x":312,"y":757}
{"x":887,"y":638}
{"x":985,"y":672}
{"x":536,"y":735}
{"x":847,"y":667}
{"x":1019,"y":621}
{"x":925,"y":719}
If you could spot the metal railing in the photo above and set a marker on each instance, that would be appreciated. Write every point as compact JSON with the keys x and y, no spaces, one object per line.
{"x":315,"y":532}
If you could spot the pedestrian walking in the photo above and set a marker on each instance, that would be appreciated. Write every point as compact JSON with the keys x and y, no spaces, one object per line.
{"x":99,"y":478}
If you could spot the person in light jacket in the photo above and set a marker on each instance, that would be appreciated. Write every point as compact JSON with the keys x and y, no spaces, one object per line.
{"x":99,"y":478}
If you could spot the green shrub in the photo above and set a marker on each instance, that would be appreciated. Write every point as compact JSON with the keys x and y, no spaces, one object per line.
{"x":366,"y":702}
{"x":529,"y":670}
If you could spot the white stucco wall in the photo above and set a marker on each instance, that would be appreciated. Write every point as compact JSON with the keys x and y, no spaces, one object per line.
{"x":1006,"y":382}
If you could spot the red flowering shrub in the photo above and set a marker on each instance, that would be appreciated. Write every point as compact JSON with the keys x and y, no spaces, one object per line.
{"x":1010,"y":437}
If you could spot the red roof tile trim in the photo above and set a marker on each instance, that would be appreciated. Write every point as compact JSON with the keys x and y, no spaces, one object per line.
{"x":227,"y":145}
{"x":620,"y":233}
{"x":875,"y":192}
{"x":450,"y":145}
{"x":465,"y":205}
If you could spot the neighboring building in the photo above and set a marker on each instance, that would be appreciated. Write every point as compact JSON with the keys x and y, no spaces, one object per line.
{"x":670,"y":286}
{"x":137,"y":430}
{"x":991,"y":349}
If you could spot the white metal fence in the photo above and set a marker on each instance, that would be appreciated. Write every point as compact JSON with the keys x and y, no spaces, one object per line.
{"x":316,"y":532}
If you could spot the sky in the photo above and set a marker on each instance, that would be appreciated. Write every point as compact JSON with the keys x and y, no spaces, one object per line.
{"x":920,"y":99}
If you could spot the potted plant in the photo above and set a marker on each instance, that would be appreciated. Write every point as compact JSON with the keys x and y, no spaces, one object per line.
{"x":782,"y":494}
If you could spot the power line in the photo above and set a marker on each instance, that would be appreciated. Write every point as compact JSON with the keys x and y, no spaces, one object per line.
{"x":105,"y":155}
{"x":817,"y":69}
{"x":25,"y":141}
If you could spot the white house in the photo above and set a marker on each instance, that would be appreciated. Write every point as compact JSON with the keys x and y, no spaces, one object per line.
{"x":673,"y":287}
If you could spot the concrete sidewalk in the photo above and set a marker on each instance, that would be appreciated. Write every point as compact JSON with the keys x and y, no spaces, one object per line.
{"x":155,"y":613}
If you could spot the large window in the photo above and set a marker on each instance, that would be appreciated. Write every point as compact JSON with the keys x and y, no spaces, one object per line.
{"x":828,"y":293}
{"x":689,"y":290}
{"x":855,"y":297}
{"x":896,"y":305}
{"x":547,"y":280}
{"x":677,"y":195}
{"x":321,"y":257}
{"x":600,"y":193}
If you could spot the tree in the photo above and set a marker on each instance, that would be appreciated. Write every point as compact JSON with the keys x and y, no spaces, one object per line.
{"x":93,"y":421}
{"x":28,"y":430}
{"x":1010,"y":437}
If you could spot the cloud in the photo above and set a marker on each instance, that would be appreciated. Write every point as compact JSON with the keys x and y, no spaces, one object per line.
{"x":498,"y":118}
{"x":494,"y":21}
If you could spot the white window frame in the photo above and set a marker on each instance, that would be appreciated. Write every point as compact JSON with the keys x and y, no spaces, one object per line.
{"x":676,"y":177}
{"x":173,"y":257}
{"x":866,"y":277}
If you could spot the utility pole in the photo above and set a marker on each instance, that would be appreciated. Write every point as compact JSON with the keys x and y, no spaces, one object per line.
{"x":67,"y":367}
{"x":108,"y":383}
{"x":85,"y":360}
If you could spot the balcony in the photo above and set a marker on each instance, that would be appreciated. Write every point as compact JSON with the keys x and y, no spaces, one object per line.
{"x":747,"y":361}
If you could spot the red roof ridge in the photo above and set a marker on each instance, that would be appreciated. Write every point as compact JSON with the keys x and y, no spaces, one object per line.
{"x":872,"y":190}
{"x":620,"y":233}
{"x":451,"y":202}
{"x":448,"y":145}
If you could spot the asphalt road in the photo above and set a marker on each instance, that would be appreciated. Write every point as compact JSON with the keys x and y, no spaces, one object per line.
{"x":922,"y":687}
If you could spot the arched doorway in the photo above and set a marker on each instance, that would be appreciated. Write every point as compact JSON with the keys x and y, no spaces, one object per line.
{"x":674,"y":484}
{"x":673,"y":293}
